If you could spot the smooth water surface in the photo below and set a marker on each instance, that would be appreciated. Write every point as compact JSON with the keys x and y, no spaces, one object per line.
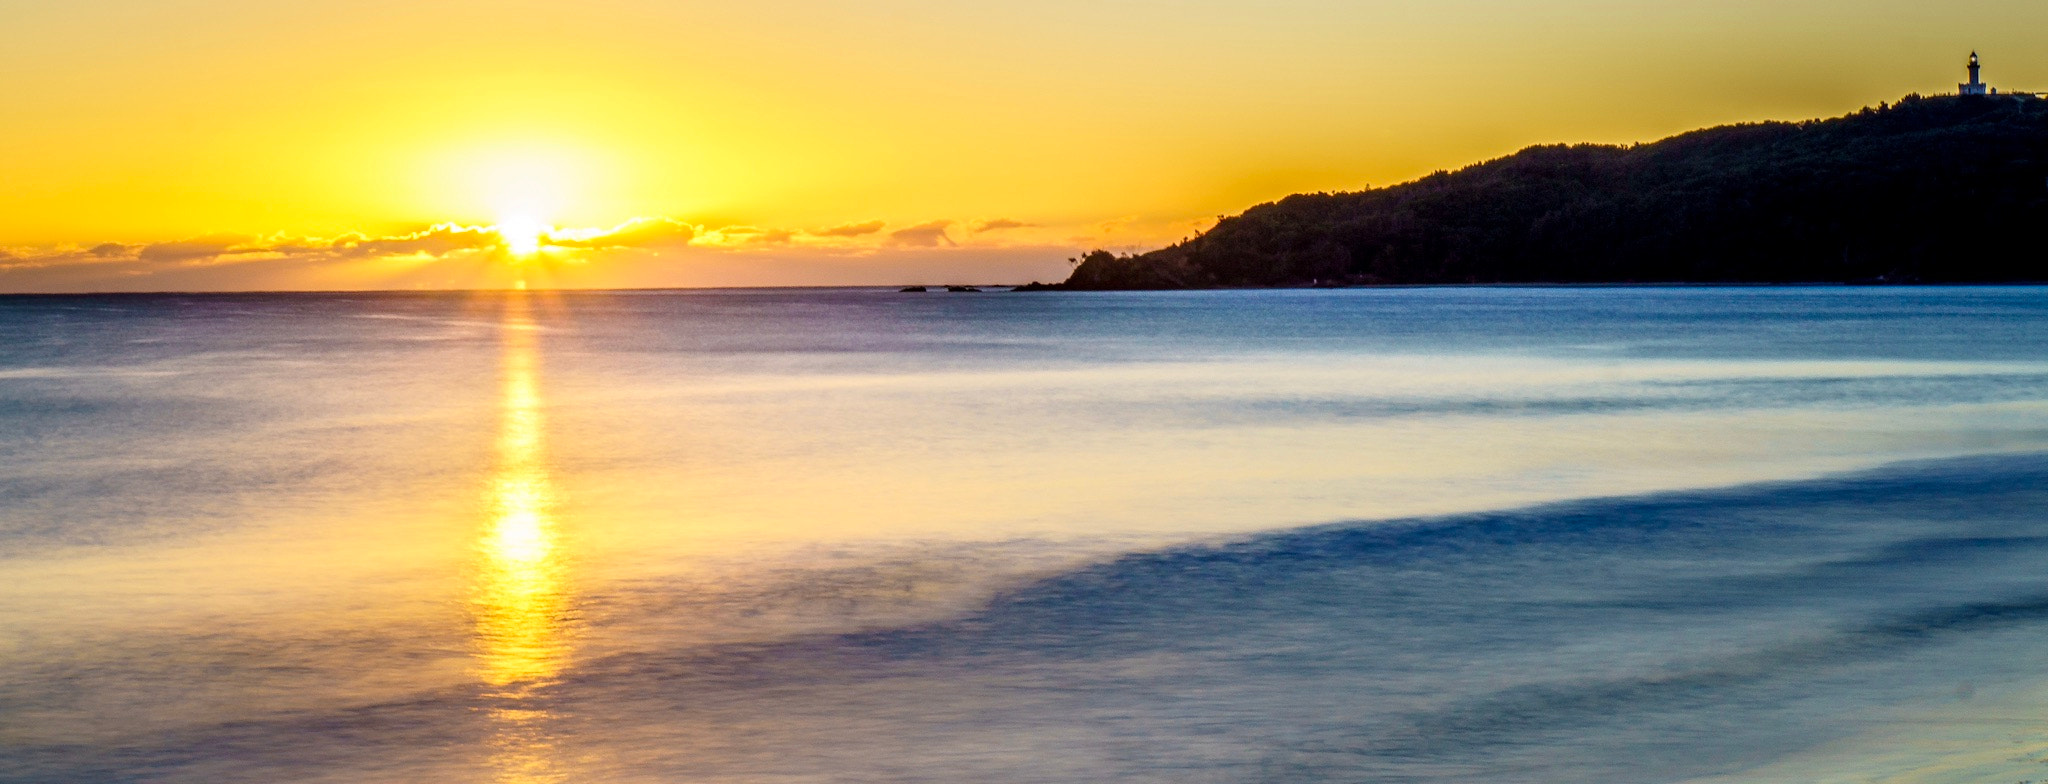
{"x":1519,"y":534}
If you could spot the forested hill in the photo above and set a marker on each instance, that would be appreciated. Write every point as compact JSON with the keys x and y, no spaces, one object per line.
{"x":1929,"y":190}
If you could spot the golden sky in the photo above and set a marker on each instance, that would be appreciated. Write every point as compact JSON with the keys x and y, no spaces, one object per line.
{"x":237,"y":144}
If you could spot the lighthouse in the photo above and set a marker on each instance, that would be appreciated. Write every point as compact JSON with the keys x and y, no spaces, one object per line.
{"x":1976,"y":85}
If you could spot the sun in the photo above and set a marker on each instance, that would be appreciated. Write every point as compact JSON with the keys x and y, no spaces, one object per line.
{"x":523,"y":234}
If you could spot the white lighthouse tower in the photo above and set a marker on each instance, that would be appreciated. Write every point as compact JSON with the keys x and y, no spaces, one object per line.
{"x":1976,"y":85}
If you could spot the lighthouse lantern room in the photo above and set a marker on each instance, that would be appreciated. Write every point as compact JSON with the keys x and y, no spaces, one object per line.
{"x":1976,"y":85}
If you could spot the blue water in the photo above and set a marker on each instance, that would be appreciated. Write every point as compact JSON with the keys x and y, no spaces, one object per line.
{"x":1514,"y":534}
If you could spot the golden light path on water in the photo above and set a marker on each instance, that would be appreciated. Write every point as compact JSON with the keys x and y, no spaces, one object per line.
{"x":520,"y":601}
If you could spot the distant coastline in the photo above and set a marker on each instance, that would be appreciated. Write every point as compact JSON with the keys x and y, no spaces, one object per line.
{"x":1927,"y":190}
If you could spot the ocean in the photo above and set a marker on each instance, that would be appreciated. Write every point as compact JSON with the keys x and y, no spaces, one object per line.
{"x":1514,"y":534}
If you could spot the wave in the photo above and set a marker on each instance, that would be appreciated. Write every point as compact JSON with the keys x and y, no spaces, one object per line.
{"x":1650,"y":638}
{"x":1646,"y":638}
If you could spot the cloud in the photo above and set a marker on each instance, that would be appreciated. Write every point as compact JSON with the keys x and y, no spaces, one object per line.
{"x":186,"y":250}
{"x":924,"y":235}
{"x":635,"y":233}
{"x":438,"y":240}
{"x":1001,"y":223}
{"x":849,"y":230}
{"x":735,"y":236}
{"x":1113,"y":224}
{"x":454,"y":255}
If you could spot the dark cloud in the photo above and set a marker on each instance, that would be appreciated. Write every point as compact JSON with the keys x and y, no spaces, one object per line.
{"x":850,"y":229}
{"x":999,"y":224}
{"x":924,"y":235}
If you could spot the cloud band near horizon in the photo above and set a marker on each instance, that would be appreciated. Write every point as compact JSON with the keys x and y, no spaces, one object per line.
{"x":642,"y":251}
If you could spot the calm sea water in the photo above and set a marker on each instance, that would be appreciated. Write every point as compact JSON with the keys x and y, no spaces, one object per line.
{"x":1505,"y":534}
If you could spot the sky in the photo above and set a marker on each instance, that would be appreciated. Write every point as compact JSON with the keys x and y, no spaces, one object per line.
{"x":150,"y":145}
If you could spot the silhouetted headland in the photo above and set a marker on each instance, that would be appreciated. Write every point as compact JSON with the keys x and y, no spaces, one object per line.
{"x":1949,"y":189}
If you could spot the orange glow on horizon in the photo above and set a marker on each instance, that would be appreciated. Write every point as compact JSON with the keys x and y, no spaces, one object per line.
{"x":968,"y":132}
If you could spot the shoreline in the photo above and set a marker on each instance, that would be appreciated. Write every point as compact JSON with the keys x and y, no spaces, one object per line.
{"x":1007,"y":288}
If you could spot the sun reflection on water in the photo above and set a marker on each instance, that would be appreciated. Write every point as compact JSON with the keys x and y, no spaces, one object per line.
{"x":520,"y":602}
